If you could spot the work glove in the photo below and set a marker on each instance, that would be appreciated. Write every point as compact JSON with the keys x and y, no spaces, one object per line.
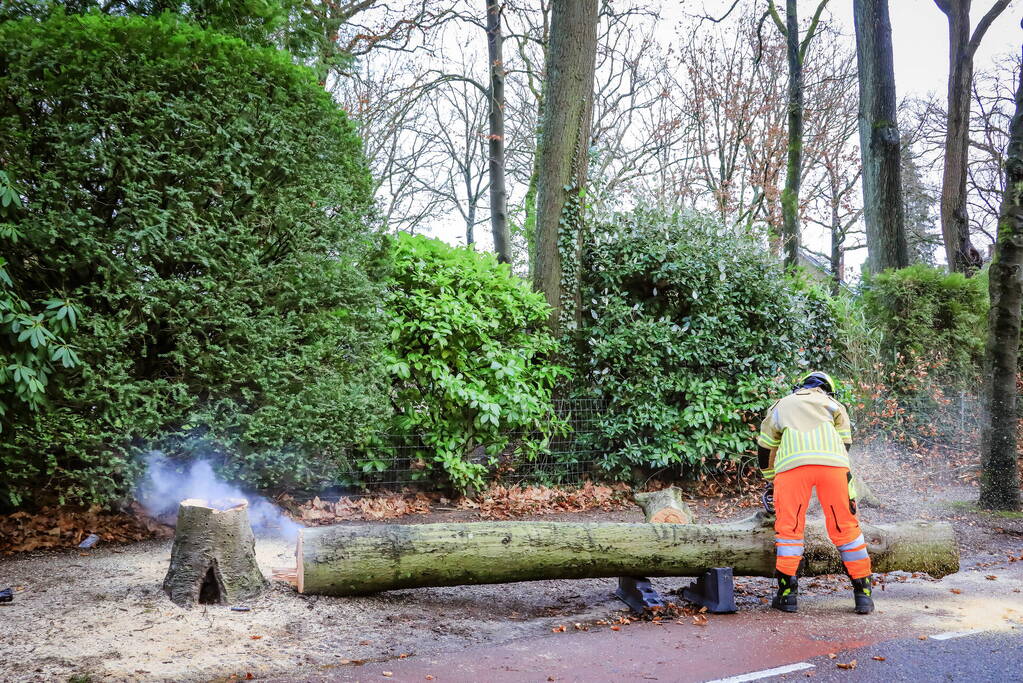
{"x":767,"y":498}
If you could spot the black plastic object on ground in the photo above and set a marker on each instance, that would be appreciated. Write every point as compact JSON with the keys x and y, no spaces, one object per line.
{"x":637,"y":593}
{"x":90,"y":540}
{"x":7,"y":595}
{"x":715,"y":590}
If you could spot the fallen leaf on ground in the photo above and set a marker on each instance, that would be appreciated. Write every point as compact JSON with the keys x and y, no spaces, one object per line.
{"x":429,"y":677}
{"x":847,"y":665}
{"x":558,"y":629}
{"x":255,"y":637}
{"x":878,"y":658}
{"x":921,"y":637}
{"x":616,"y":628}
{"x":832,"y":655}
{"x":990,"y":577}
{"x":388,"y":674}
{"x":956,"y":591}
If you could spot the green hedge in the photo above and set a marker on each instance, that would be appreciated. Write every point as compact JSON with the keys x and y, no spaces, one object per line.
{"x":206,"y":205}
{"x":691,"y":330}
{"x":471,"y":363}
{"x":927,"y":313}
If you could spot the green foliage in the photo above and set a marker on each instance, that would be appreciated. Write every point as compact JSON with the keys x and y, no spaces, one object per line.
{"x":200,"y":207}
{"x":302,"y":28}
{"x":32,"y":343}
{"x":692,"y":329}
{"x":470,"y":361}
{"x":922,"y":311}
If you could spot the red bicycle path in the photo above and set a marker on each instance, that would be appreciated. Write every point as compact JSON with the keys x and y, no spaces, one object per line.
{"x":751,"y":640}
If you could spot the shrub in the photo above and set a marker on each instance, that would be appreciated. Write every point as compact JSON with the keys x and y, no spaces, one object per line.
{"x":922,"y":311}
{"x":691,"y":331}
{"x":470,"y":361}
{"x":205,"y":204}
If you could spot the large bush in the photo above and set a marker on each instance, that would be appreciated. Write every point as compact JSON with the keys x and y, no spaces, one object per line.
{"x":925,"y":312}
{"x":691,"y":330}
{"x":470,"y":362}
{"x":205,"y":204}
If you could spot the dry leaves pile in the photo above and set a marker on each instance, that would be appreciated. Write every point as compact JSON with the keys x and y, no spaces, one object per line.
{"x":505,"y":502}
{"x":318,"y":512}
{"x":66,"y":527}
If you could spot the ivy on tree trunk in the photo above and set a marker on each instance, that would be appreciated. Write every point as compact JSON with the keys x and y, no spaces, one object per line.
{"x":563,"y":150}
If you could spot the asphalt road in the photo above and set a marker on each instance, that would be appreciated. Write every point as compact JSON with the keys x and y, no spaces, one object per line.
{"x":977,"y":658}
{"x":909,"y":630}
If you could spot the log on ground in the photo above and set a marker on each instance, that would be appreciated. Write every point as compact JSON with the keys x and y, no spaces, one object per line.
{"x":359,"y":559}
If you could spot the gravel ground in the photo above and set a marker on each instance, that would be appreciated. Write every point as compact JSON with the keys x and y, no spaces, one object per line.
{"x":101,"y":615}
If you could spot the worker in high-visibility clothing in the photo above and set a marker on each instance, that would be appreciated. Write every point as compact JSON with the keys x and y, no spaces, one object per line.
{"x":804,"y":442}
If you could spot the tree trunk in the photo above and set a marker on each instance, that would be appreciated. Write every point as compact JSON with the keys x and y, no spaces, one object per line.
{"x":880,"y":148}
{"x":955,"y":227}
{"x":563,"y":150}
{"x":999,"y":487}
{"x":498,"y":193}
{"x":214,"y":556}
{"x":358,"y":559}
{"x":665,"y":506}
{"x":794,"y":164}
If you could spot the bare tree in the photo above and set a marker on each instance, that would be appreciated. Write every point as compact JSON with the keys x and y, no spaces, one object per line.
{"x":495,"y":103}
{"x":832,"y":162}
{"x":879,"y":138}
{"x":999,"y":487}
{"x":991,"y":113}
{"x":459,"y":124}
{"x":796,"y":52}
{"x":383,"y":100}
{"x":955,"y":225}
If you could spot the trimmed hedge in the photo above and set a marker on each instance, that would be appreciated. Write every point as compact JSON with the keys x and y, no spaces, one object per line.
{"x":207,"y":206}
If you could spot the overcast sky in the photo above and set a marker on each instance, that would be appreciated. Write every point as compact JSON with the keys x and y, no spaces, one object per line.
{"x":920,"y":40}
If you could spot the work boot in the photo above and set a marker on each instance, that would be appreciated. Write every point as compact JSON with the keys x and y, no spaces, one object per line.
{"x":861,"y":594}
{"x":788,"y":587}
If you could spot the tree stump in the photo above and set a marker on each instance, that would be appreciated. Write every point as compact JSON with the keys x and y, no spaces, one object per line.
{"x":214,"y":556}
{"x":665,"y":506}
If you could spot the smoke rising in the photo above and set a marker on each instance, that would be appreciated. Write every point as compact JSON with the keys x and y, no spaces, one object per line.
{"x":163,"y":487}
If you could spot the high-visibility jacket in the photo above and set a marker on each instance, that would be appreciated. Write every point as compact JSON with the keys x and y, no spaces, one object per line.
{"x":807,"y":427}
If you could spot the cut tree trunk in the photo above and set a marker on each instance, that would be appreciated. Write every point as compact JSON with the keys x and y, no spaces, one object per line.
{"x":359,"y":559}
{"x":214,"y":556}
{"x":665,"y":506}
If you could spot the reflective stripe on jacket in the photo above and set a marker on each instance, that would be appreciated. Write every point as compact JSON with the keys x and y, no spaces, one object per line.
{"x":807,"y":427}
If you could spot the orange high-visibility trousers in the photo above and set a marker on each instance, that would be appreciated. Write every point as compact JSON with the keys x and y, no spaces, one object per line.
{"x":792,"y":490}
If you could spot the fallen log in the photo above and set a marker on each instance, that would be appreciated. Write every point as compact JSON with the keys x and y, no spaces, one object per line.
{"x":213,"y":560}
{"x":359,"y":559}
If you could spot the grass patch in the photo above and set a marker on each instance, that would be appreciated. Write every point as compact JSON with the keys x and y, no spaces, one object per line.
{"x":969,"y":506}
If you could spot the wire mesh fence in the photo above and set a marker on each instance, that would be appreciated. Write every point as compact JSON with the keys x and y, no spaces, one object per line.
{"x":564,"y":454}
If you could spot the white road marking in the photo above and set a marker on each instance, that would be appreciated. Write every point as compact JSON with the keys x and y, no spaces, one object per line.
{"x":766,"y":673}
{"x":956,"y":634}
